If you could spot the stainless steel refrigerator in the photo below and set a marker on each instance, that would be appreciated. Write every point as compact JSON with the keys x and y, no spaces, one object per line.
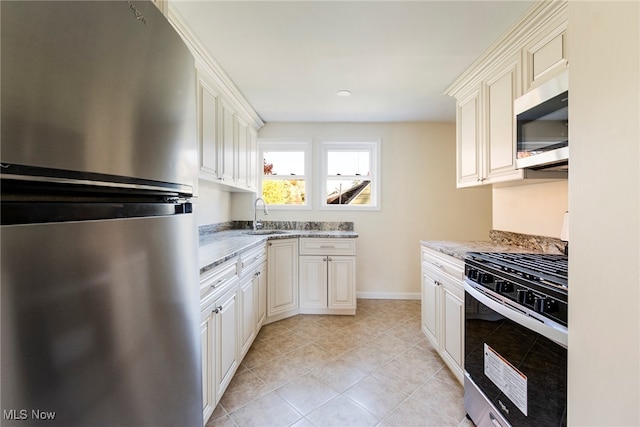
{"x":99,"y":291}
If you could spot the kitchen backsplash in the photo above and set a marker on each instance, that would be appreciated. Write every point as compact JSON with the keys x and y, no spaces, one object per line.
{"x":204,"y":230}
{"x":527,"y":241}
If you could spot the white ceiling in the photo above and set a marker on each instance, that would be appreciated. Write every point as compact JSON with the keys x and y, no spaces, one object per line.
{"x":289,"y":58}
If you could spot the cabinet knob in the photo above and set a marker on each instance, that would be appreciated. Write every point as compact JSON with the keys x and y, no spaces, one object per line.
{"x":218,"y":309}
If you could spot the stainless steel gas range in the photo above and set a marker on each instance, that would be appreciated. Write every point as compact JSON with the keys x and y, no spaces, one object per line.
{"x":516,"y":339}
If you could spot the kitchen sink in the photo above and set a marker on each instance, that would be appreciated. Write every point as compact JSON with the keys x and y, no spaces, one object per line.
{"x":262,"y":232}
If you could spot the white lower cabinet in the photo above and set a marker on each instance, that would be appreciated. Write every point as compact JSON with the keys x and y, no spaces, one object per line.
{"x":208,"y":364}
{"x":327,"y":276}
{"x":226,"y":343}
{"x":219,"y":335}
{"x":430,"y":306}
{"x":233,"y":307}
{"x":443,"y":307}
{"x":313,"y":282}
{"x":282,"y":283}
{"x":259,"y":286}
{"x":247,"y":321}
{"x":260,"y":295}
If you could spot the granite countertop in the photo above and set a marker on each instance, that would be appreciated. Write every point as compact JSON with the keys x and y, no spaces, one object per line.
{"x":459,"y":249}
{"x":501,"y":241}
{"x":215,"y":248}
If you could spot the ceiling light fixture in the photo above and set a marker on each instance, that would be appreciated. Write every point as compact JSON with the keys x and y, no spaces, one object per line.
{"x":344,"y":92}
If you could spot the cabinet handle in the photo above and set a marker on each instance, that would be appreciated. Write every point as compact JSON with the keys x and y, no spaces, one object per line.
{"x":218,"y":309}
{"x":329,"y":258}
{"x":218,"y":283}
{"x":436,"y":264}
{"x":327,"y":247}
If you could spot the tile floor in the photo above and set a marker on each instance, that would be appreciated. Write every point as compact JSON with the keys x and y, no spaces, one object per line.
{"x":373,"y":369}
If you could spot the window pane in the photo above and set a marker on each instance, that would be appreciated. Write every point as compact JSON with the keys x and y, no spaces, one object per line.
{"x":283,"y":191}
{"x":348,"y":163}
{"x":283,"y":163}
{"x":348,"y":192}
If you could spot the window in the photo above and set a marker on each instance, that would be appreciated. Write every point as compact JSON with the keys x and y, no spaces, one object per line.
{"x":351,"y":173}
{"x":285,"y":174}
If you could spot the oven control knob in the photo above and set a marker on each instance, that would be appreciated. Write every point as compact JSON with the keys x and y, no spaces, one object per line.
{"x":502,"y":286}
{"x":484,"y":278}
{"x":524,"y":296}
{"x":472,"y":274}
{"x":545,"y":305}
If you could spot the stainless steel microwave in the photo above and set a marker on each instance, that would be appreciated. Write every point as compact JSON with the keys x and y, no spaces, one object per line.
{"x":542,"y":123}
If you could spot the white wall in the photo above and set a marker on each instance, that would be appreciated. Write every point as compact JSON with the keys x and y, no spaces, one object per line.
{"x":213,"y":204}
{"x":604,"y":201}
{"x":536,"y":209}
{"x":419,"y":200}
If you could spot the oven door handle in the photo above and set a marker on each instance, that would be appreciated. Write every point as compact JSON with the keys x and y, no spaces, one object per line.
{"x":557,"y":334}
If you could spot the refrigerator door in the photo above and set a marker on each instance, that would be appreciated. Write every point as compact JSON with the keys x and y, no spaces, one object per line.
{"x":106,"y":87}
{"x":100,"y":323}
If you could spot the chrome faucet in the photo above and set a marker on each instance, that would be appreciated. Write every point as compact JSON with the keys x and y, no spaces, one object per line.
{"x":257,"y":224}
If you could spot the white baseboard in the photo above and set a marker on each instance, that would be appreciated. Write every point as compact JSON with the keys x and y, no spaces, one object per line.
{"x":388,"y":295}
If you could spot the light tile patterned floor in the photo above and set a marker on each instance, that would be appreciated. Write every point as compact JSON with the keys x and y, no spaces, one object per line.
{"x":372,"y":369}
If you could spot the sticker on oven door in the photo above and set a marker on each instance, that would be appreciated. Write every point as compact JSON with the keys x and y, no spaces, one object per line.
{"x":506,"y":377}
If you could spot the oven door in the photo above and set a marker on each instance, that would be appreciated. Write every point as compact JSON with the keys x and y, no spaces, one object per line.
{"x":515,"y":365}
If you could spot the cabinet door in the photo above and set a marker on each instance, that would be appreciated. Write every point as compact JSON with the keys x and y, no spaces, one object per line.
{"x":342,"y":281}
{"x":208,"y":369}
{"x":501,"y":90}
{"x":226,"y":340}
{"x":282,"y":284}
{"x":208,"y":101}
{"x":247,"y":314}
{"x":430,"y":307}
{"x":313,"y":281}
{"x":453,"y":324}
{"x":468,"y":141}
{"x":546,"y":55}
{"x":252,"y":162}
{"x":228,"y":147}
{"x":260,"y":295}
{"x":243,"y":150}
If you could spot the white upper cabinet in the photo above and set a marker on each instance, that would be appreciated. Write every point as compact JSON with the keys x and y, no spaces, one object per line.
{"x":208,"y":135}
{"x":545,"y":56}
{"x":227,"y":124}
{"x":501,"y":88}
{"x":533,"y":51}
{"x":229,"y":145}
{"x":486,"y":128}
{"x":468,"y":140}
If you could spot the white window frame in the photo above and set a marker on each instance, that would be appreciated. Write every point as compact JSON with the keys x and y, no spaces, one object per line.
{"x":347,"y":144}
{"x":279,"y":144}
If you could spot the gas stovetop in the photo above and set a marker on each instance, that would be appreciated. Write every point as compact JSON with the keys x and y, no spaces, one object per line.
{"x":535,"y":281}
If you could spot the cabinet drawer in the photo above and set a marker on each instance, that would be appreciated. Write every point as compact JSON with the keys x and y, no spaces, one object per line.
{"x":443,"y":263}
{"x":317,"y":246}
{"x":252,"y":258}
{"x":217,"y":278}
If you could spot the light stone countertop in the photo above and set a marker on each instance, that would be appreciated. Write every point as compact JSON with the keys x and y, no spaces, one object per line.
{"x":216,"y":248}
{"x":459,"y":249}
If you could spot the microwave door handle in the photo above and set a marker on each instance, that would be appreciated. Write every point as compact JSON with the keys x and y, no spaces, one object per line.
{"x":554,"y":334}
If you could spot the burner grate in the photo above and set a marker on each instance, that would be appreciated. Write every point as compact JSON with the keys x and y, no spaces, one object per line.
{"x":548,"y":268}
